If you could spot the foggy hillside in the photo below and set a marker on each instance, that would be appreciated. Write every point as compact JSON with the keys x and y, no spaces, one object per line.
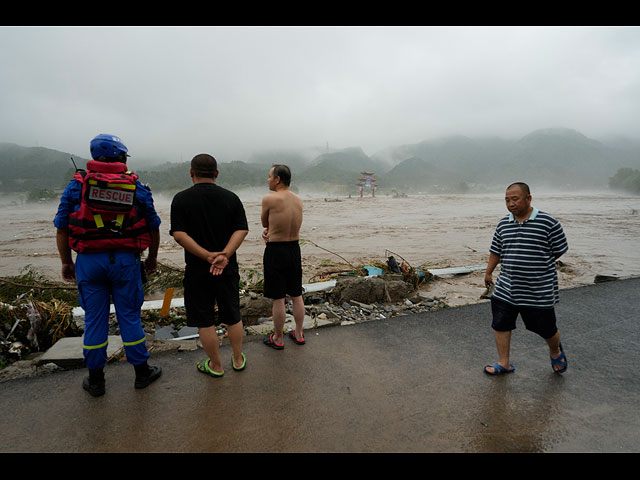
{"x":340,"y":167}
{"x":29,"y":168}
{"x":553,"y":157}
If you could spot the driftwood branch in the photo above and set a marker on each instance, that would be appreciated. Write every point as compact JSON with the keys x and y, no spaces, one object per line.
{"x":334,"y":253}
{"x":51,"y":287}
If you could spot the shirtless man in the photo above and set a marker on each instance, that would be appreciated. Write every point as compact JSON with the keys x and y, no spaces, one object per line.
{"x":281,"y":219}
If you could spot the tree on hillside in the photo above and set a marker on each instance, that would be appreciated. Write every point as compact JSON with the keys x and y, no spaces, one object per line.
{"x":626,"y":179}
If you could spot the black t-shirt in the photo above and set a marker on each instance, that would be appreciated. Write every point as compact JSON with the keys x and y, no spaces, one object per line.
{"x":209,"y":214}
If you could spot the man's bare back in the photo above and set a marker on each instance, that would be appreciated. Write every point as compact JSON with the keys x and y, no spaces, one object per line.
{"x":281,"y":216}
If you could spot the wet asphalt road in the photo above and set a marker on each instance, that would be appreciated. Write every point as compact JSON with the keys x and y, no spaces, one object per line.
{"x":407,"y":384}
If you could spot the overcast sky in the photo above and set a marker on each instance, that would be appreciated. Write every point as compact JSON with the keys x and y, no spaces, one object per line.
{"x":174,"y":92}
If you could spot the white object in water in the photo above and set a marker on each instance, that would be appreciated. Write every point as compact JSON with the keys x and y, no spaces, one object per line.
{"x":457,"y":270}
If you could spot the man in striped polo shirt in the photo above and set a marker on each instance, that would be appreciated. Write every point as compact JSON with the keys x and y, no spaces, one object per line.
{"x":527,"y":243}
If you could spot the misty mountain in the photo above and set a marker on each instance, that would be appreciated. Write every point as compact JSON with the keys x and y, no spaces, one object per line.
{"x":450,"y":160}
{"x":416,"y":173}
{"x":553,"y":157}
{"x":234,"y":174}
{"x":297,"y":160}
{"x":457,"y":151}
{"x":24,"y":169}
{"x":294,"y":159}
{"x":340,"y":167}
{"x":562,"y":157}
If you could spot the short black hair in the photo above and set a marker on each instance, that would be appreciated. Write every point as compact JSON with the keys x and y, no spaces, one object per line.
{"x":523,"y":186}
{"x":283,"y":172}
{"x":204,"y":166}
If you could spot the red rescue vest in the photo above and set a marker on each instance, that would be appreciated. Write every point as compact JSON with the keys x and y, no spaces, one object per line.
{"x":109,"y":217}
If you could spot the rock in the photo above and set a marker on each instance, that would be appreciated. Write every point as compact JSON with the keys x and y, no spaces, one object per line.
{"x":186,"y":331}
{"x":370,"y":290}
{"x":255,"y":308}
{"x":165,"y":333}
{"x":68,"y":352}
{"x":27,"y":368}
{"x":397,"y":290}
{"x":604,"y":278}
{"x":186,"y":345}
{"x":313,"y":299}
{"x":328,"y":313}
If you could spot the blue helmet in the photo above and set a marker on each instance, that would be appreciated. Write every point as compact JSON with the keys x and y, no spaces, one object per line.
{"x":109,"y":146}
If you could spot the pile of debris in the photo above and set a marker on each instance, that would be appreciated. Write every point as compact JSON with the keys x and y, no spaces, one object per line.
{"x":359,"y":299}
{"x":357,"y":312}
{"x":30,"y":282}
{"x":36,"y":319}
{"x":354,"y":299}
{"x":29,"y":326}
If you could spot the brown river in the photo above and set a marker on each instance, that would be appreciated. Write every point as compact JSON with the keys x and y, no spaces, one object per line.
{"x":429,"y":231}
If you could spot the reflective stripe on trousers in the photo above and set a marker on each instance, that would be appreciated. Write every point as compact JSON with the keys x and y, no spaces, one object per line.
{"x":102,"y":277}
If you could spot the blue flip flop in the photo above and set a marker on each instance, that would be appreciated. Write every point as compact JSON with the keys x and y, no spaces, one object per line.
{"x":561,"y":361}
{"x":498,"y":369}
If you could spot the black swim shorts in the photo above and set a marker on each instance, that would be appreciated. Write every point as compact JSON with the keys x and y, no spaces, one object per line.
{"x":538,"y":320}
{"x":282,"y":270}
{"x":203,"y":291}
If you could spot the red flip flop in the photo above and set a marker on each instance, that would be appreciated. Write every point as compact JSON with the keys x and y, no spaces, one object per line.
{"x":292,"y":334}
{"x":268,"y":340}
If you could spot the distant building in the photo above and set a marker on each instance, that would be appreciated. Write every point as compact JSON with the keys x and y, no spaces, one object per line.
{"x":367,"y":181}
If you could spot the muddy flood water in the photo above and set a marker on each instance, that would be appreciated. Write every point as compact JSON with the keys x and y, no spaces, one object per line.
{"x":430,"y":231}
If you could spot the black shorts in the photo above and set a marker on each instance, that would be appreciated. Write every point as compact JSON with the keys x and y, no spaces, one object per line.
{"x":538,"y":320}
{"x":202,"y":291}
{"x":282,"y":270}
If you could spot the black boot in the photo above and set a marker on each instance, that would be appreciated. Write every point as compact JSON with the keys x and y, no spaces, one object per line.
{"x":94,"y":383}
{"x":146,"y":374}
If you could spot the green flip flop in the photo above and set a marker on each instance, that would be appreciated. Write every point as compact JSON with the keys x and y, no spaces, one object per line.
{"x":241,"y":367}
{"x":203,"y":366}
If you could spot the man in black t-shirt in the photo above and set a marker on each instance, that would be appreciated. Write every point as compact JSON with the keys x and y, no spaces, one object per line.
{"x":209,"y":222}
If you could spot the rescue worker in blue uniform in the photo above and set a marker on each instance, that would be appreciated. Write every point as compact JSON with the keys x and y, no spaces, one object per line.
{"x":108,"y":264}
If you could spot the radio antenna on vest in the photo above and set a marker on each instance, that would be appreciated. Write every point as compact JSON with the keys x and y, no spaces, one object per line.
{"x":74,"y":165}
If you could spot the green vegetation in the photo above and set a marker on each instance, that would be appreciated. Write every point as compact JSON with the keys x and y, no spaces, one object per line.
{"x":36,"y":168}
{"x":626,"y":179}
{"x":41,"y":195}
{"x":166,"y":276}
{"x":35,"y":312}
{"x":36,"y":285}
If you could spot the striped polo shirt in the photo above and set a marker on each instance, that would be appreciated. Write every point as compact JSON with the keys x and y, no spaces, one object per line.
{"x":527,"y":251}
